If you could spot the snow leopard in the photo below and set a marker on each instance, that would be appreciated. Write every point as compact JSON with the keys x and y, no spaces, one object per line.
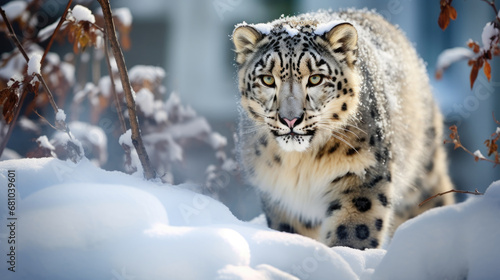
{"x":339,"y":131}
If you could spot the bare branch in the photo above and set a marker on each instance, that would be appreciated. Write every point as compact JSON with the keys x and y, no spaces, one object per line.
{"x":450,"y":191}
{"x":149,"y":173}
{"x":45,"y":120}
{"x":12,"y":35}
{"x":63,"y":18}
{"x":113,"y":88}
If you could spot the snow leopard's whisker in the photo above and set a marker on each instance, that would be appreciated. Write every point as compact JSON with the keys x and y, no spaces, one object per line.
{"x":344,"y":141}
{"x":356,"y":127}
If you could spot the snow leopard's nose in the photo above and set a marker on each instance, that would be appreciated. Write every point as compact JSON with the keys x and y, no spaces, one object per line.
{"x":293,"y":122}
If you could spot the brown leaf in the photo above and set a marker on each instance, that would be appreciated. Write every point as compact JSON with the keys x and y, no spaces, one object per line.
{"x":447,"y":12}
{"x":473,"y":74}
{"x":443,"y":19}
{"x":452,"y":12}
{"x":439,"y":74}
{"x":125,"y":40}
{"x":8,"y":99}
{"x":487,"y":70}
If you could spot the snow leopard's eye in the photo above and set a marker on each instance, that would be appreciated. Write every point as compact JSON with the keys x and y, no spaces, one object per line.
{"x":314,"y":80}
{"x":268,"y":80}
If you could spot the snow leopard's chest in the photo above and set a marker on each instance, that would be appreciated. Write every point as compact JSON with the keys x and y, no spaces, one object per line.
{"x":303,"y":184}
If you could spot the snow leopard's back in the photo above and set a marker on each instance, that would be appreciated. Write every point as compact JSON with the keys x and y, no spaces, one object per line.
{"x":339,"y":130}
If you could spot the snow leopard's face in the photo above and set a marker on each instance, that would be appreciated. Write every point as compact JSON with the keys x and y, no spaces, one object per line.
{"x":297,"y":84}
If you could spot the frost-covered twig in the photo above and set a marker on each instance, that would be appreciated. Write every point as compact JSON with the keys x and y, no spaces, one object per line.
{"x":149,"y":173}
{"x":475,"y":192}
{"x":63,"y":18}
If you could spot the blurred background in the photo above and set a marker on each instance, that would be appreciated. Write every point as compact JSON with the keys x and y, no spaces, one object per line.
{"x":190,"y":39}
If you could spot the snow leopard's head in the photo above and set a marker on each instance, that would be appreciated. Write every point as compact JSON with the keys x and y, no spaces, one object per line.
{"x":298,"y":79}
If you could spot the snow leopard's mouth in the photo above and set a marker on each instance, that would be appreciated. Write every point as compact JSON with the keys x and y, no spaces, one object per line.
{"x":293,"y":134}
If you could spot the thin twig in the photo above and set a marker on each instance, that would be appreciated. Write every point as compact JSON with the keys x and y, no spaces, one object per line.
{"x":149,"y":172}
{"x":113,"y":87}
{"x":450,"y":191}
{"x":45,"y":120}
{"x":492,"y":4}
{"x":63,"y":18}
{"x":498,"y":122}
{"x":49,"y":93}
{"x":12,"y":35}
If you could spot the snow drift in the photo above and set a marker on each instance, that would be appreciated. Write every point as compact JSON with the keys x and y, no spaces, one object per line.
{"x":76,"y":221}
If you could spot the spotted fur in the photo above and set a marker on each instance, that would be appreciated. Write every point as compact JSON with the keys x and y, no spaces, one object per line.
{"x":345,"y":160}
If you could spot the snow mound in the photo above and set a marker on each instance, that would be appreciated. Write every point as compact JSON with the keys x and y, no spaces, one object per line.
{"x":454,"y":242}
{"x":76,"y":221}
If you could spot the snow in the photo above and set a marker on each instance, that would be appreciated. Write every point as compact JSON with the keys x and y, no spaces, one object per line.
{"x":126,"y":138}
{"x":322,"y":28}
{"x":60,"y":116}
{"x":145,"y":101}
{"x":34,"y":64}
{"x":263,"y":28}
{"x":478,"y":154}
{"x":81,"y":222}
{"x":14,"y":9}
{"x":291,"y":31}
{"x":453,"y":242}
{"x":123,"y":15}
{"x":9,"y":154}
{"x":48,"y":30}
{"x":15,"y":78}
{"x":29,"y":125}
{"x":135,"y":162}
{"x":139,"y":73}
{"x":450,"y":56}
{"x":489,"y":35}
{"x":43,"y":141}
{"x":92,"y":138}
{"x":217,"y":141}
{"x":81,"y":13}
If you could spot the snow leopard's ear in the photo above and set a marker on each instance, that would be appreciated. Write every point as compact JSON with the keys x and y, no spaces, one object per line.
{"x":245,"y":39}
{"x":343,"y":42}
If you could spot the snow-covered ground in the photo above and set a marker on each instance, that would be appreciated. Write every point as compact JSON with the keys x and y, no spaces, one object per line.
{"x":76,"y":221}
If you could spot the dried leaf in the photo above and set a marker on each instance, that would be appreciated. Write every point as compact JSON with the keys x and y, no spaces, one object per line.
{"x":439,"y":74}
{"x":452,"y":12}
{"x":8,"y":100}
{"x":473,"y":74}
{"x":487,"y":70}
{"x":447,"y":12}
{"x":443,"y":19}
